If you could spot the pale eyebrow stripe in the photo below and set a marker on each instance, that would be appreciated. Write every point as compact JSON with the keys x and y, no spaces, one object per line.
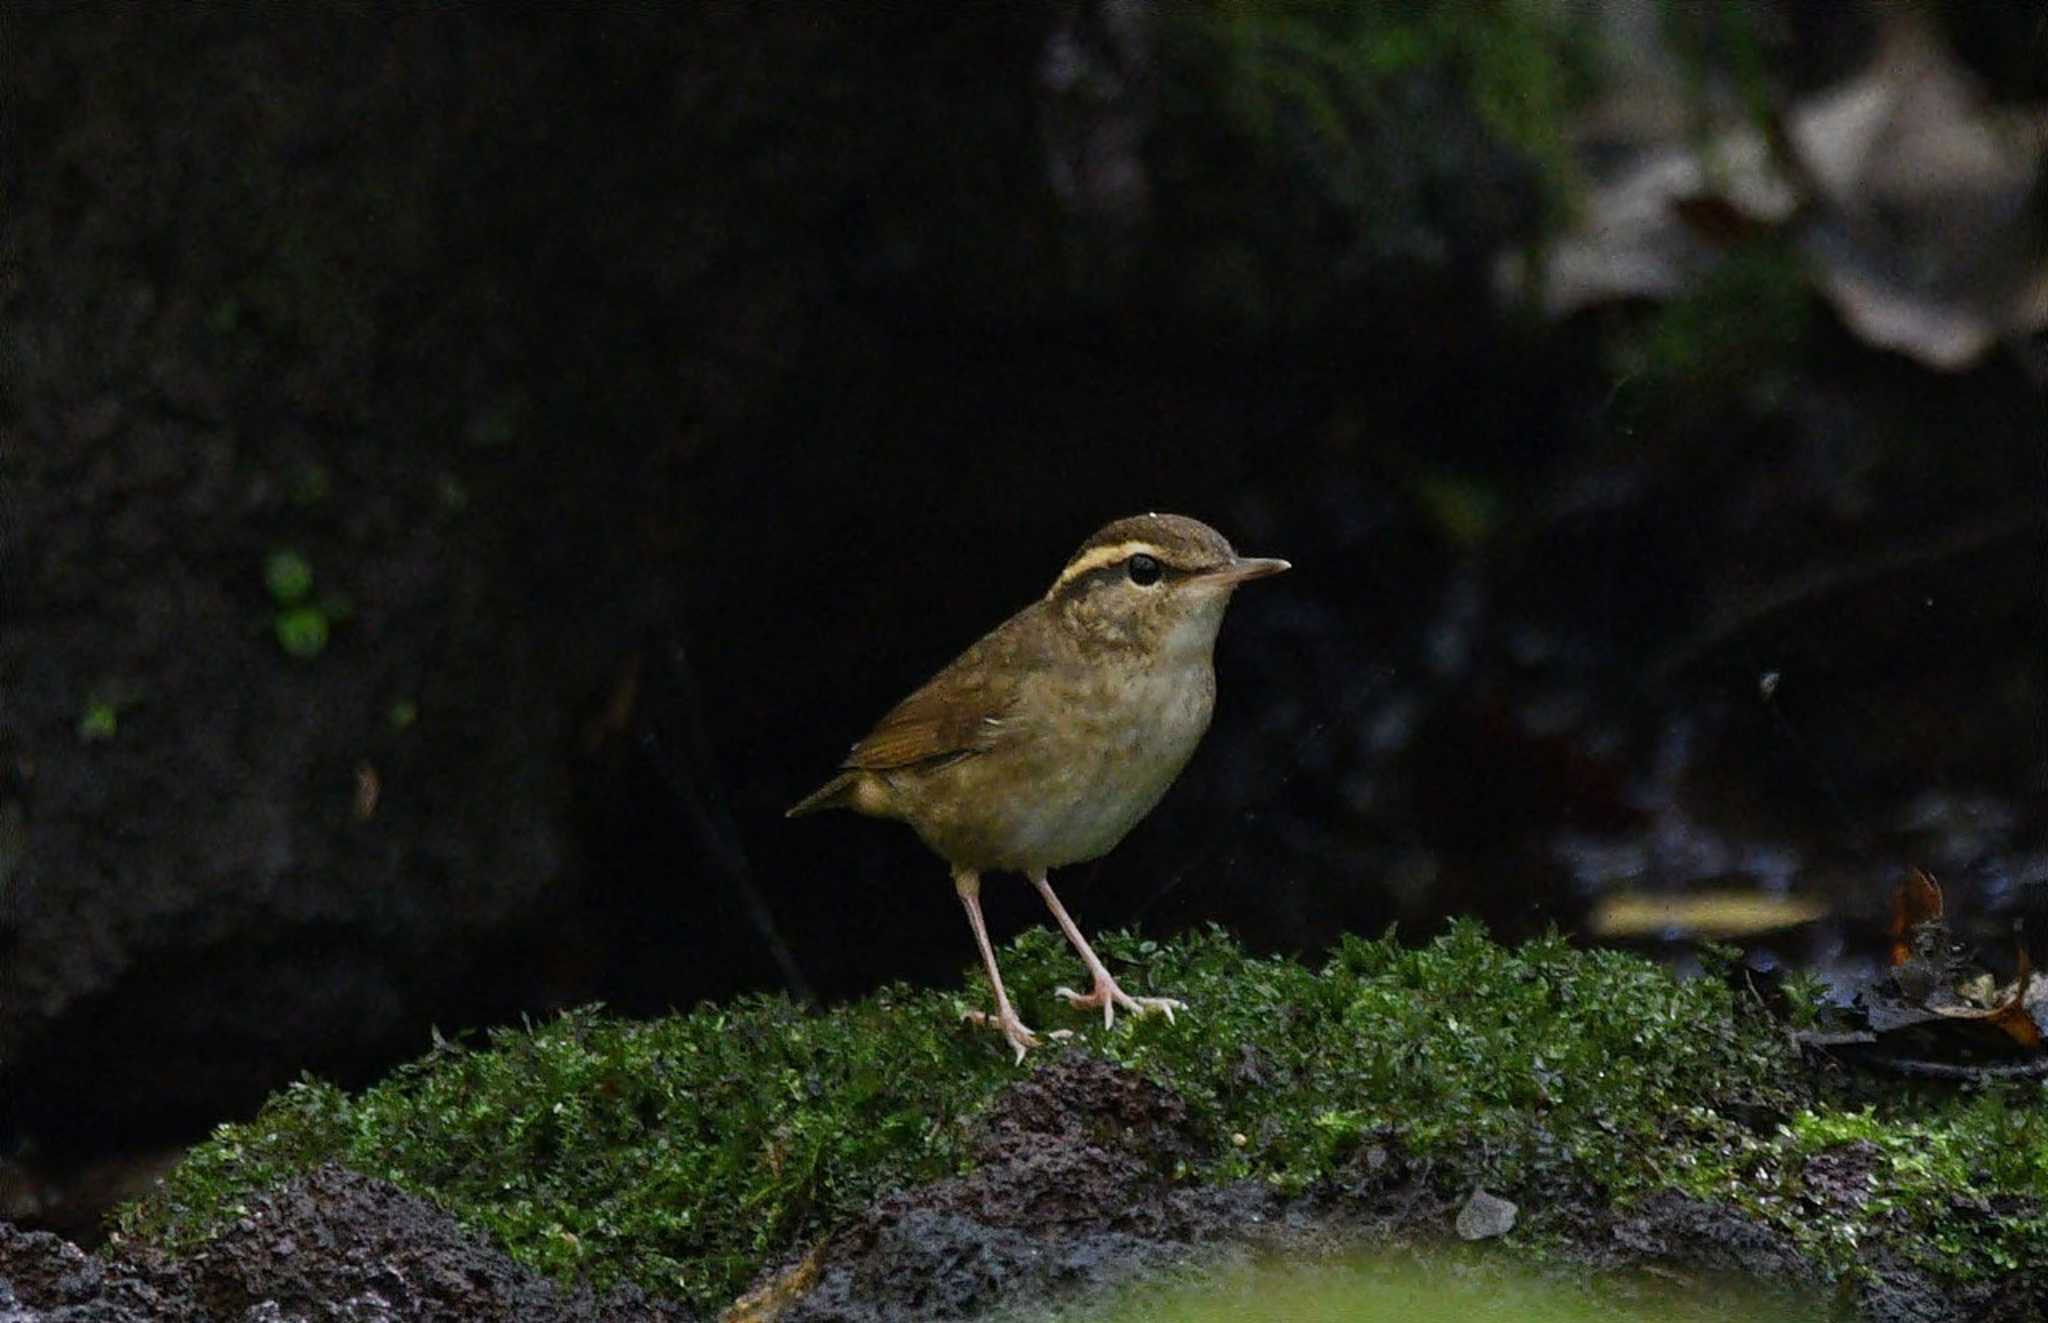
{"x":1098,"y":557}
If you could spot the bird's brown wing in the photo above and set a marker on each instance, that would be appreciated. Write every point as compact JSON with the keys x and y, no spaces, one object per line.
{"x":961,"y":711}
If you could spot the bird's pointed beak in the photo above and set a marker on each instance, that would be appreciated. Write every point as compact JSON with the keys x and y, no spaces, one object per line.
{"x":1244,"y":569}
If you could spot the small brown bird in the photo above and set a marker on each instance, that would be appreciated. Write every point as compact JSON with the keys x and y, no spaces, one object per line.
{"x":1047,"y":741}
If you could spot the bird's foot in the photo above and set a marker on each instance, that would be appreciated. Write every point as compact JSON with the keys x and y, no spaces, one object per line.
{"x":1015,"y":1032}
{"x":1109,"y":996}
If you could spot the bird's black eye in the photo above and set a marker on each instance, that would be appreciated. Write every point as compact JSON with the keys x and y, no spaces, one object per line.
{"x":1144,"y":571}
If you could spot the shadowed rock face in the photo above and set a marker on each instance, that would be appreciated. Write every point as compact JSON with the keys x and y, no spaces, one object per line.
{"x":334,"y":1245}
{"x":256,"y":321}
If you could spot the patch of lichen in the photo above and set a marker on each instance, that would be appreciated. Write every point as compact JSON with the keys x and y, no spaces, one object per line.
{"x":686,"y":1152}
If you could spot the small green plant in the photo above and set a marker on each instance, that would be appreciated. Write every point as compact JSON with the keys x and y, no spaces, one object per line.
{"x":288,"y":577}
{"x":1805,"y":993}
{"x":302,"y":623}
{"x":100,"y":722}
{"x":302,"y":631}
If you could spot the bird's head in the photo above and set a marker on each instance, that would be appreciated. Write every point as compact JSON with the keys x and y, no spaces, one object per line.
{"x":1153,"y":582}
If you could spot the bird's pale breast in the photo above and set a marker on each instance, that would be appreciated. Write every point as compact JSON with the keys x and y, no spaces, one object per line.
{"x":1092,"y":765}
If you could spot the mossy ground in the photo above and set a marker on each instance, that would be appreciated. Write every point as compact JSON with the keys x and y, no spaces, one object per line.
{"x":684,"y":1153}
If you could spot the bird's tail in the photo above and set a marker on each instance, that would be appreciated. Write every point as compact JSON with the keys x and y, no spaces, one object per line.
{"x":836,"y":793}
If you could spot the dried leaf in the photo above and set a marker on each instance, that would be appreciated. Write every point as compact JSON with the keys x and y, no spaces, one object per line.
{"x":1916,"y":902}
{"x":1914,"y":199}
{"x":1927,"y":241}
{"x":2014,"y":1016}
{"x":1931,"y":1016}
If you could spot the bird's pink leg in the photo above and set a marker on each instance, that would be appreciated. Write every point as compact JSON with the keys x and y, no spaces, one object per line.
{"x":1106,"y":993}
{"x":968,"y":884}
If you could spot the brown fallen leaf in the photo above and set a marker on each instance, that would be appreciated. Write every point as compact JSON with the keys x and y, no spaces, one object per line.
{"x":1916,"y":903}
{"x":2014,"y":1016}
{"x":1933,"y":1014}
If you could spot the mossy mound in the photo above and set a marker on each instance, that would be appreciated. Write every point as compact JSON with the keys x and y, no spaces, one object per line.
{"x":684,"y":1153}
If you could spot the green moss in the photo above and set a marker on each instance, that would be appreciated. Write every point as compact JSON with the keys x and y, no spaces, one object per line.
{"x":683,"y":1153}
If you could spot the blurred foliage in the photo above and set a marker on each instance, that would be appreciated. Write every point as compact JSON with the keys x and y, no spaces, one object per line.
{"x":1465,"y":512}
{"x":1306,"y":143}
{"x":288,"y":577}
{"x":1724,"y":40}
{"x":100,"y":722}
{"x":302,"y":631}
{"x":301,"y":624}
{"x":685,"y":1153}
{"x":1739,"y":329}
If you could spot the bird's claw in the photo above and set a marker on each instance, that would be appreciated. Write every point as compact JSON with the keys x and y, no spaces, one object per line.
{"x":1109,"y":996}
{"x":1164,"y":1005}
{"x":1014,"y":1031}
{"x":1081,"y":1003}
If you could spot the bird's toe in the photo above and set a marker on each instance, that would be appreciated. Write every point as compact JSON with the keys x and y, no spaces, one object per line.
{"x":1014,"y":1031}
{"x":1164,"y":1005}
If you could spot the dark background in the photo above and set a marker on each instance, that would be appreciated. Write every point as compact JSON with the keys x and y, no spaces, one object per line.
{"x":657,"y":395}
